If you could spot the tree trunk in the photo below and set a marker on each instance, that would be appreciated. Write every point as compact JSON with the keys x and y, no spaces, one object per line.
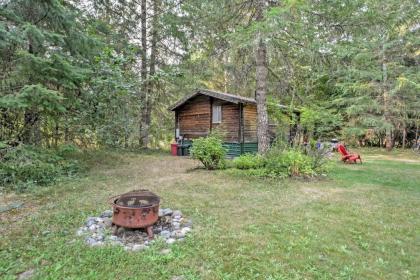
{"x":404,"y":139}
{"x":56,"y":133}
{"x":388,"y":130}
{"x":151,"y":85}
{"x":37,"y":130}
{"x":66,"y":135}
{"x":26,"y":132}
{"x":261,"y":88}
{"x":31,"y":134}
{"x":143,"y":131}
{"x":31,"y":128}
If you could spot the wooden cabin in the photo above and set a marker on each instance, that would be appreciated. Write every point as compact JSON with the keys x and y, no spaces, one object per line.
{"x":234,"y":116}
{"x":203,"y":111}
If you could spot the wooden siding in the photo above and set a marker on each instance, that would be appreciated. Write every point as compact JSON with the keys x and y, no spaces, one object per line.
{"x":250,"y":123}
{"x":194,"y":120}
{"x":229,"y":126}
{"x":194,"y":117}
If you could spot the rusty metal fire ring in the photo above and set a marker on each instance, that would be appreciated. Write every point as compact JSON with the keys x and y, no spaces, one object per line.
{"x":135,"y":209}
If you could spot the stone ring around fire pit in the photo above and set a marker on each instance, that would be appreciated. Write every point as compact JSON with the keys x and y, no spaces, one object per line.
{"x":136,"y":209}
{"x":109,"y":228}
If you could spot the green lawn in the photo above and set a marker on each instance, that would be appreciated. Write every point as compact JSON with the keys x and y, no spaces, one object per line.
{"x":361,"y":222}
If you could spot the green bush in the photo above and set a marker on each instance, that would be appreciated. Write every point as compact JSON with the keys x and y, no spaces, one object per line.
{"x":248,"y":161}
{"x":290,"y":162}
{"x":209,"y":151}
{"x":320,"y":159}
{"x":283,"y":161}
{"x":67,"y":150}
{"x":23,"y":167}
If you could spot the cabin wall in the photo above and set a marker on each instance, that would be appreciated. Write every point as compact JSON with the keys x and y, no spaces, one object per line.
{"x":194,"y":117}
{"x":250,"y":123}
{"x":229,"y":127}
{"x":194,"y":120}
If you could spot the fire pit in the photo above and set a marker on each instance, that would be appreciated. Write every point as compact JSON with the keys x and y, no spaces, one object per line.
{"x":136,"y":209}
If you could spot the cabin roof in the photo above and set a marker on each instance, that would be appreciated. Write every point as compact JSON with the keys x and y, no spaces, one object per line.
{"x":223,"y":96}
{"x":215,"y":94}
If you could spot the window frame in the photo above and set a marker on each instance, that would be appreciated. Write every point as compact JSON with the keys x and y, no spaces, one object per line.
{"x":217,"y":107}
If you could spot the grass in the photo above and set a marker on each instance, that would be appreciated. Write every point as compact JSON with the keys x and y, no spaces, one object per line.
{"x":361,"y":222}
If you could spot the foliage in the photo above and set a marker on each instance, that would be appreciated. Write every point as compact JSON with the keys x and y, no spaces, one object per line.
{"x":330,"y":58}
{"x":290,"y":162}
{"x":24,"y":167}
{"x":320,"y":158}
{"x":248,"y":161}
{"x":283,"y":161}
{"x":379,"y":85}
{"x":321,"y":123}
{"x":67,"y":150}
{"x":210,"y":151}
{"x":70,"y":70}
{"x":63,"y":77}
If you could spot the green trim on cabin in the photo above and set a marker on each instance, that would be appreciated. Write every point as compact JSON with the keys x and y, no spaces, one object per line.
{"x":233,"y":149}
{"x":237,"y":149}
{"x":251,"y":148}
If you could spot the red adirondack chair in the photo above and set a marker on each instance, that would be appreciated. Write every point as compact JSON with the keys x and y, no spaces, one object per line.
{"x":346,"y":156}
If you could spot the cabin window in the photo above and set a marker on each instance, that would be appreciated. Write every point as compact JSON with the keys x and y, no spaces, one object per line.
{"x":217,"y":114}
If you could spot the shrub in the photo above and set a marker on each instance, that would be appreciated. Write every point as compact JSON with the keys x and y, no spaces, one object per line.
{"x":319,"y":158}
{"x":248,"y":161}
{"x":67,"y":150}
{"x":209,"y":151}
{"x":25,"y":166}
{"x":283,"y":161}
{"x":296,"y":163}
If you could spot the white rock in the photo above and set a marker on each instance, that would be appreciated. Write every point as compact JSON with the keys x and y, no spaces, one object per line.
{"x":178,"y":234}
{"x":165,"y":233}
{"x":90,"y":221}
{"x":165,"y":251}
{"x":114,"y":238}
{"x":180,"y":277}
{"x":177,"y":214}
{"x":185,"y":230}
{"x":139,"y":247}
{"x":90,"y":241}
{"x":170,"y":241}
{"x":27,"y":274}
{"x":165,"y":212}
{"x":107,"y":214}
{"x":188,"y":223}
{"x":115,"y":243}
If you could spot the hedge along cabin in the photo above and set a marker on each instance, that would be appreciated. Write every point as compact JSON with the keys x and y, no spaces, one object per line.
{"x":203,"y":111}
